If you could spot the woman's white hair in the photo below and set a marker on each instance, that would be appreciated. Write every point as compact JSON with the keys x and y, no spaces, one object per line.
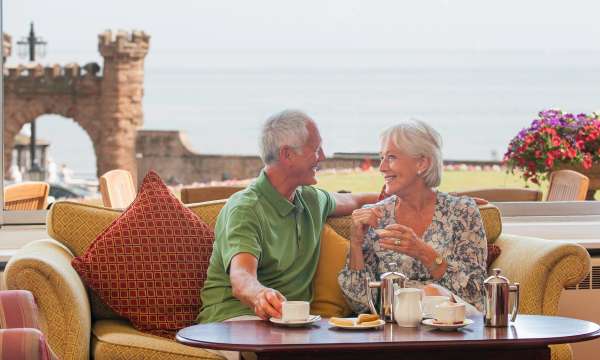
{"x":416,"y":138}
{"x":288,"y":127}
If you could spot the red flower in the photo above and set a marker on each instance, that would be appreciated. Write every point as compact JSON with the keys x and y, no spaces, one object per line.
{"x":587,"y":161}
{"x":554,"y":138}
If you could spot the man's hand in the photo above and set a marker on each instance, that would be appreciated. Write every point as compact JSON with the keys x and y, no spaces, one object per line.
{"x":480,"y":201}
{"x":268,"y":304}
{"x":264,"y":301}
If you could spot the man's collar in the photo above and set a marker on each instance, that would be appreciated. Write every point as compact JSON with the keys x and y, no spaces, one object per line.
{"x":283,"y":206}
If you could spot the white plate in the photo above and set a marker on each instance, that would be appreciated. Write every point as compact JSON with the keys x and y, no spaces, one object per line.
{"x":446,"y":327}
{"x":358,"y":327}
{"x":311,"y":319}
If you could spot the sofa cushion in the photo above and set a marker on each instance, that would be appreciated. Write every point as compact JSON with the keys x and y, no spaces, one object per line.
{"x":328,"y":298}
{"x":117,"y":339}
{"x":492,"y":222}
{"x":208,"y":211}
{"x":77,"y":225}
{"x":150,"y":263}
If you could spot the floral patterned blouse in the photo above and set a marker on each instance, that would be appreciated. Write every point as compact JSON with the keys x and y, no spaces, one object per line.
{"x":456,"y":233}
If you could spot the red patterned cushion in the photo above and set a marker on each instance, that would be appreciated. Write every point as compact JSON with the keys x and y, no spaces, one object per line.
{"x":150,"y":263}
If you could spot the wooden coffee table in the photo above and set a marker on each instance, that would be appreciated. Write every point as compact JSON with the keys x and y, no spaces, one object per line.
{"x":527,"y":338}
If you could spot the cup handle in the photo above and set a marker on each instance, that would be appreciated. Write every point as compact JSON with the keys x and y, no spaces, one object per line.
{"x":515,"y":288}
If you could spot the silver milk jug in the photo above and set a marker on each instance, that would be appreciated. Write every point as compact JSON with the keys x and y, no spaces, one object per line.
{"x":497,"y":292}
{"x":389,"y":281}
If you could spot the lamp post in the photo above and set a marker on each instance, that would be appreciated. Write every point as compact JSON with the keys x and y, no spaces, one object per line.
{"x":30,"y":47}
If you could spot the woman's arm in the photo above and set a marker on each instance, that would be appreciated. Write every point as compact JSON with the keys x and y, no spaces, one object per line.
{"x":353,"y":282}
{"x":466,"y":268}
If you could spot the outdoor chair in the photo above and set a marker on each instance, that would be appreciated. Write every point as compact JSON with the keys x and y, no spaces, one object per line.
{"x":26,"y":196}
{"x":117,"y":188}
{"x":503,"y":194}
{"x":567,"y":185}
{"x":191,"y":195}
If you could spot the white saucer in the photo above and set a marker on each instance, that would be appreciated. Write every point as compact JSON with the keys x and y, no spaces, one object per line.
{"x":358,"y":327}
{"x":446,"y":327}
{"x":311,"y":319}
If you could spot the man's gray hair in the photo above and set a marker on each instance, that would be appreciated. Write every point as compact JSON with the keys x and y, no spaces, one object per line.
{"x":416,"y":138}
{"x":284,"y":128}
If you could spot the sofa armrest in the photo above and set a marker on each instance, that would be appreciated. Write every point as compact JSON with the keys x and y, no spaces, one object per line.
{"x":44,"y":268}
{"x":543,"y":268}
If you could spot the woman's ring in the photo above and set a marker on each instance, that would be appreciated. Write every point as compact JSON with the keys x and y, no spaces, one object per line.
{"x":396,"y":242}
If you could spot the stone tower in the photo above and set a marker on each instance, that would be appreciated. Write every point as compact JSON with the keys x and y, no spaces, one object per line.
{"x":108,"y":106}
{"x":121,"y":103}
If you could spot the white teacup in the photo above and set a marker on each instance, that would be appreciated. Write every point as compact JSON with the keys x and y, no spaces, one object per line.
{"x":450,"y":313}
{"x":430,"y":302}
{"x":295,"y":310}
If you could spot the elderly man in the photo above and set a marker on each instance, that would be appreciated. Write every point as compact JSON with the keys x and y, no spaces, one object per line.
{"x":267,"y":236}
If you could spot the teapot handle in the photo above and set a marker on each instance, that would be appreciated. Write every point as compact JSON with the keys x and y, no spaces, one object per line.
{"x":369,"y":285}
{"x":515,"y":288}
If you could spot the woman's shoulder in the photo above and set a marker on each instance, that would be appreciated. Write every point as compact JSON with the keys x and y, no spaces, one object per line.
{"x":456,"y":203}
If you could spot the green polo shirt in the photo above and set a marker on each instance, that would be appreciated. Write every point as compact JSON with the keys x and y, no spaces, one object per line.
{"x":283,"y":236}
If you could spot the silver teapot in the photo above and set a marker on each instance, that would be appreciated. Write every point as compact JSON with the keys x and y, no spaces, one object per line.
{"x":497,"y":295}
{"x":389,"y":282}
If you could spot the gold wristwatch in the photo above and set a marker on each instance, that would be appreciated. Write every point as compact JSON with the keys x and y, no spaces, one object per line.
{"x":438,"y":261}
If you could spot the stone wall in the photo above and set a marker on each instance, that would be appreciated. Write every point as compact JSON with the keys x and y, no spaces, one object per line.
{"x":169,"y":154}
{"x":107,"y":104}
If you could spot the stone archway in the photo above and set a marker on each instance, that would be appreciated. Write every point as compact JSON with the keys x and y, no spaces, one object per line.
{"x":107,"y":106}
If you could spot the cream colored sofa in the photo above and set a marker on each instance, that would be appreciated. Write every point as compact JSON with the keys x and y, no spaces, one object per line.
{"x":79,"y":326}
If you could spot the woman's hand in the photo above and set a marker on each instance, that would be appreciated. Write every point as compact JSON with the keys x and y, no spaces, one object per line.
{"x":402,"y":239}
{"x":361,"y":220}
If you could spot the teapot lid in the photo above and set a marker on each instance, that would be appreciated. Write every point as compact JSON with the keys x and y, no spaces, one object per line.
{"x":393,"y":274}
{"x":496,"y":278}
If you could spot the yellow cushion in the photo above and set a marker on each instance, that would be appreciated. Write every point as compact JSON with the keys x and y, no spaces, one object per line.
{"x":492,"y":222}
{"x":328,"y":299}
{"x":117,"y":339}
{"x":76,"y":225}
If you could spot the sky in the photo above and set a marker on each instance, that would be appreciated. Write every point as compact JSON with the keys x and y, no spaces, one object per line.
{"x":183,"y":30}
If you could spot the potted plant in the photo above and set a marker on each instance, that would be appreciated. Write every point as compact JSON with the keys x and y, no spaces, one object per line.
{"x":555,"y":141}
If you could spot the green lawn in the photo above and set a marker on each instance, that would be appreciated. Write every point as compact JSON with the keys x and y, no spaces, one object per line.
{"x":372,"y":181}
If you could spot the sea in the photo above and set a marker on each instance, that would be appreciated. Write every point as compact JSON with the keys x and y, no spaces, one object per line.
{"x":477,"y":99}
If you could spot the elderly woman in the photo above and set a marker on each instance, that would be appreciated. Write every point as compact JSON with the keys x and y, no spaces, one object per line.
{"x":436,"y":239}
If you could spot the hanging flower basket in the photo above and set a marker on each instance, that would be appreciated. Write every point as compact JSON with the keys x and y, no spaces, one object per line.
{"x":554,"y":140}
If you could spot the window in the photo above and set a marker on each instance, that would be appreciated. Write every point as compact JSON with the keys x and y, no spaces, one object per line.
{"x":477,"y":72}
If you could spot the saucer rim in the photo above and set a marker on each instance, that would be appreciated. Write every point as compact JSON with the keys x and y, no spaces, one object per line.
{"x":357,"y":327}
{"x":430,"y":322}
{"x":311,"y":319}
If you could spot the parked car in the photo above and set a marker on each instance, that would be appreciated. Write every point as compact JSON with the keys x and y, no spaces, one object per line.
{"x":60,"y":191}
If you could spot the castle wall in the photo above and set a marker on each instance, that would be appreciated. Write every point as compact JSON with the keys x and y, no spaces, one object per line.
{"x":108,"y":106}
{"x":168,"y":153}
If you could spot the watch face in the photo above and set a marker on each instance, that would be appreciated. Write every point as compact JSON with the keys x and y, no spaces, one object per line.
{"x":438,"y":260}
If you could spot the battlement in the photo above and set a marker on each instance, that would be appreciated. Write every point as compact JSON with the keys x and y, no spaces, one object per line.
{"x":72,"y":70}
{"x":55,"y":79}
{"x":123,"y":45}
